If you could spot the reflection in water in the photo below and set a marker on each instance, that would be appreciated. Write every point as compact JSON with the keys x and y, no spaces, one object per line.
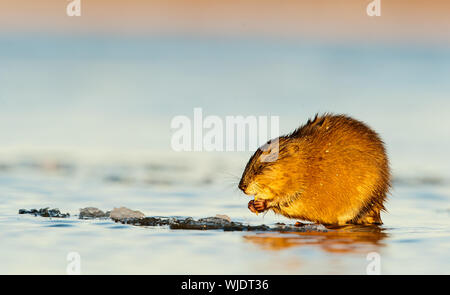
{"x":339,"y":239}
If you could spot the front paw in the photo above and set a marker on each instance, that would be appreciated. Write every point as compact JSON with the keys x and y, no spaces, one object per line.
{"x":260,"y":205}
{"x":257,"y":206}
{"x":251,"y":206}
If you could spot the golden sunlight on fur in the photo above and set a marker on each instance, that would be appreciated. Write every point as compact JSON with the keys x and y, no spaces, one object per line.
{"x":332,"y":170}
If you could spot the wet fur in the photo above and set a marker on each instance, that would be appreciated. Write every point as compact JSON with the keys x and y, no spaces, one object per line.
{"x":332,"y":170}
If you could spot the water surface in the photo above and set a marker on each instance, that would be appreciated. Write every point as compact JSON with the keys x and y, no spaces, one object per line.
{"x":85,"y":121}
{"x":414,"y":239}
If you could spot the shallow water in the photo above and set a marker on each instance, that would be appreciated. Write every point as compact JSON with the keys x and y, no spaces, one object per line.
{"x":414,"y":239}
{"x":85,"y":121}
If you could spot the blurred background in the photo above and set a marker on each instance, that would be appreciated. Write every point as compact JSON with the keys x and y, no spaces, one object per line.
{"x":111,"y":80}
{"x":86,"y":104}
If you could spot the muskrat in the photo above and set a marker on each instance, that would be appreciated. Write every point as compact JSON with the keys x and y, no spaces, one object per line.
{"x":332,"y":170}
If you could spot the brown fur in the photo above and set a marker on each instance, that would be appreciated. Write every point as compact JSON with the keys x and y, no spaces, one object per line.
{"x":332,"y":170}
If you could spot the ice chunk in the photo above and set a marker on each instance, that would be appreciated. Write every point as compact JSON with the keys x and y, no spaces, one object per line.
{"x":125,"y":213}
{"x":223,"y":216}
{"x":92,"y":212}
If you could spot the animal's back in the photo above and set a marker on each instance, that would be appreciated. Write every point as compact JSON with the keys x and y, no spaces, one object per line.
{"x":347,"y":172}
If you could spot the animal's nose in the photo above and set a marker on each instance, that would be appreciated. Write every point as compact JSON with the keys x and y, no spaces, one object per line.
{"x":242,"y":186}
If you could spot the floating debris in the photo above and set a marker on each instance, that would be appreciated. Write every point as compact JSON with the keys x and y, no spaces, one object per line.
{"x":45,"y":212}
{"x":218,"y":223}
{"x":125,"y":213}
{"x":92,"y":212}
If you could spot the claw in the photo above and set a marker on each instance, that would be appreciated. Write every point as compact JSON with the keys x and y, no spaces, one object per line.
{"x":260,"y":205}
{"x":251,"y":206}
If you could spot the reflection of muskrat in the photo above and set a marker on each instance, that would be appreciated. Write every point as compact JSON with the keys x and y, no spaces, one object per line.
{"x":333,"y":170}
